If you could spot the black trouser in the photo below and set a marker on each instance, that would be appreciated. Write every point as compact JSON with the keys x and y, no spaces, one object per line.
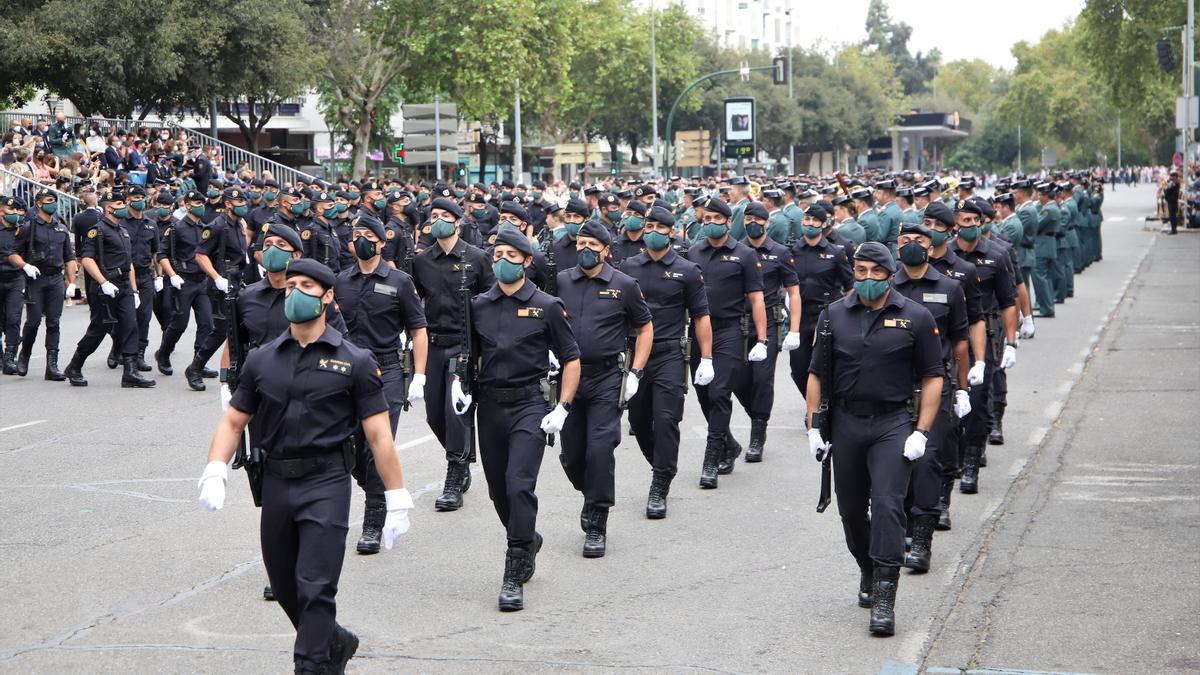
{"x":756,"y":391}
{"x":12,"y":299}
{"x":145,"y":310}
{"x":192,"y":298}
{"x":220,"y":329}
{"x":450,"y":429}
{"x":925,"y":485}
{"x":801,"y":357}
{"x":999,"y":394}
{"x":729,"y":366}
{"x":365,"y":472}
{"x":46,"y":296}
{"x":511,"y":443}
{"x":870,"y":470}
{"x":162,"y":305}
{"x":590,"y":436}
{"x":104,"y":310}
{"x":657,"y":408}
{"x":303,"y":533}
{"x":975,"y":430}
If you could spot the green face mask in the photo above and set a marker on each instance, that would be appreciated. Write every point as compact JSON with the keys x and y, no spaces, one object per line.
{"x":213,"y":193}
{"x":353,"y":195}
{"x":969,"y":233}
{"x":163,"y":212}
{"x":716,"y":230}
{"x":296,"y":209}
{"x":588,"y":258}
{"x":441,"y":228}
{"x":331,"y":212}
{"x":300,"y":307}
{"x":633,"y":223}
{"x":275,"y":259}
{"x":196,"y":211}
{"x":938,"y":238}
{"x":12,"y":218}
{"x":241,"y":211}
{"x":871,"y":289}
{"x":987,"y":227}
{"x":479,"y":213}
{"x":573,"y":228}
{"x":342,"y":208}
{"x":422,"y":196}
{"x":508,"y":272}
{"x":139,"y":205}
{"x":379,"y":204}
{"x":535,"y":195}
{"x":558,"y":234}
{"x":50,"y":209}
{"x":121,"y":213}
{"x":656,"y":241}
{"x":270,"y":196}
{"x":254,"y":196}
{"x":614,"y":215}
{"x":811,"y":232}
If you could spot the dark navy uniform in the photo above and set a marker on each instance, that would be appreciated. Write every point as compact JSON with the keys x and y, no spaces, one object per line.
{"x":675,"y":293}
{"x":307,"y":401}
{"x":756,"y":392}
{"x":565,"y":254}
{"x":514,"y":334}
{"x":824,"y":273}
{"x":143,"y":240}
{"x":224,"y":242}
{"x":344,"y":233}
{"x":107,"y":243}
{"x":12,"y":290}
{"x":878,"y":357}
{"x":603,"y":311}
{"x":624,"y":248}
{"x":321,"y":243}
{"x":398,"y":244}
{"x":731,"y":272}
{"x":181,"y":240}
{"x":48,"y":247}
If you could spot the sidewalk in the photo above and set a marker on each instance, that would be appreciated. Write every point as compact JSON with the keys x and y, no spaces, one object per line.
{"x":1092,"y":564}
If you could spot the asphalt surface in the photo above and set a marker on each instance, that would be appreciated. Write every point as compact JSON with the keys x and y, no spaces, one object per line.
{"x":1078,"y":554}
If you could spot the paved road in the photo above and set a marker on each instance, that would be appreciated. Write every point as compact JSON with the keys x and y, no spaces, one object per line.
{"x":1079,"y":553}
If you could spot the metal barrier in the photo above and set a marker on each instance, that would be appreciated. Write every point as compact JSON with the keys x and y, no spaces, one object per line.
{"x":233,"y":157}
{"x":12,"y":184}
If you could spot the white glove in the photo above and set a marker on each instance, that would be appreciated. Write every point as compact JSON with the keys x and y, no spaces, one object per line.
{"x":757,"y":353}
{"x":791,"y":341}
{"x":399,"y":503}
{"x":416,"y":389}
{"x":1027,"y":328}
{"x":137,"y":301}
{"x":262,"y":272}
{"x":158,"y":284}
{"x":70,"y":290}
{"x":631,"y":386}
{"x":975,"y":374}
{"x":1009,"y":359}
{"x":962,"y":403}
{"x":31,"y":271}
{"x":553,"y":422}
{"x":109,"y":288}
{"x":817,"y":445}
{"x":212,"y":485}
{"x":226,"y":397}
{"x":222,"y":284}
{"x":704,"y":373}
{"x":460,"y":400}
{"x":176,"y":281}
{"x":914,"y":446}
{"x":554,"y":365}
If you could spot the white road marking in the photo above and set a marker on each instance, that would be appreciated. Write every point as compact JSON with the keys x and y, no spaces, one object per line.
{"x":415,"y":442}
{"x":1076,"y":368}
{"x":1035,"y":438}
{"x":1053,"y":410}
{"x":1090,"y":497}
{"x":22,"y":425}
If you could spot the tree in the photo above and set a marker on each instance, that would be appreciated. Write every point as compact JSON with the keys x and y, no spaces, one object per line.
{"x":976,"y":83}
{"x":890,"y":38}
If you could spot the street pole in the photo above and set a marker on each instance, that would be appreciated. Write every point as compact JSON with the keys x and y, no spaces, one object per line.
{"x":212,"y":117}
{"x":791,"y":88}
{"x":1189,"y":88}
{"x":654,"y":90}
{"x":1018,"y":148}
{"x":1119,"y":165}
{"x":437,"y":135}
{"x":674,"y":106}
{"x":518,"y":162}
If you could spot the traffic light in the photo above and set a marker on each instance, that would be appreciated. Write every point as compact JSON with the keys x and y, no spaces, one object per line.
{"x":780,"y":74}
{"x":1166,"y":58}
{"x":398,"y":153}
{"x":462,"y":168}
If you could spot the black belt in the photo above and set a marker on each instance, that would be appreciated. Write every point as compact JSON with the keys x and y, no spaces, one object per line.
{"x":387,"y":359}
{"x":117,"y":273}
{"x":192,"y":276}
{"x":665,"y":345}
{"x":50,"y":270}
{"x":510,"y":394}
{"x":7,"y":275}
{"x":142,"y":271}
{"x":871,"y":408}
{"x":721,"y":324}
{"x":598,"y":368}
{"x":299,"y":467}
{"x":444,"y":339}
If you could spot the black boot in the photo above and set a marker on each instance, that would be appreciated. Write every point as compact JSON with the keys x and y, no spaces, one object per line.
{"x":918,"y":559}
{"x":10,"y":360}
{"x":307,"y":667}
{"x":142,"y":366}
{"x":969,"y":484}
{"x":163,"y":361}
{"x":23,"y":359}
{"x":201,"y":363}
{"x":733,"y":450}
{"x":114,"y":357}
{"x":457,"y":474}
{"x":996,"y":435}
{"x":865,"y":577}
{"x":982,"y":456}
{"x":74,"y":371}
{"x":52,"y":372}
{"x":708,"y":473}
{"x":131,"y":378}
{"x":341,"y":649}
{"x":373,"y":516}
{"x":656,"y":504}
{"x":883,"y":600}
{"x":512,"y":593}
{"x":532,"y":566}
{"x":596,"y":540}
{"x":943,"y":522}
{"x":758,"y":438}
{"x":268,"y":594}
{"x":193,"y":374}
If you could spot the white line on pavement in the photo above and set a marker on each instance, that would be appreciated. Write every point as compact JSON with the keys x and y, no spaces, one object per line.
{"x":1035,"y":438}
{"x":22,"y":425}
{"x":413,"y":443}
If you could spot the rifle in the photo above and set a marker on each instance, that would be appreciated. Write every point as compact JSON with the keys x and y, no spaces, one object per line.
{"x":551,"y":283}
{"x":464,"y":366}
{"x":822,"y":419}
{"x":246,"y":456}
{"x":625,"y":362}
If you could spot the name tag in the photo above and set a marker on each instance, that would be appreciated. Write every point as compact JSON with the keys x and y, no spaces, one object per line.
{"x":934,"y":297}
{"x":386,"y":290}
{"x":770,"y":257}
{"x":826,"y":256}
{"x":672,"y":275}
{"x":335,"y":366}
{"x":895,"y":323}
{"x":614,"y":293}
{"x":529,"y":312}
{"x":730,"y":258}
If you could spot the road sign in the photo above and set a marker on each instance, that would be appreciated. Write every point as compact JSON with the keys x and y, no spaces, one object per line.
{"x":740,"y":139}
{"x":780,"y":74}
{"x":693,"y":148}
{"x":1187,"y":112}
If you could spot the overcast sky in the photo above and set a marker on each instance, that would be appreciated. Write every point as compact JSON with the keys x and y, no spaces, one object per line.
{"x":966,"y":29}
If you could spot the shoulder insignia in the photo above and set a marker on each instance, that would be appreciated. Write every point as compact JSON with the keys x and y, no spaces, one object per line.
{"x":94,"y":231}
{"x":426,"y":230}
{"x":306,"y":235}
{"x":206,"y":233}
{"x":242,"y":221}
{"x":266,"y":226}
{"x":391,"y":234}
{"x":167,"y":232}
{"x":18,"y":232}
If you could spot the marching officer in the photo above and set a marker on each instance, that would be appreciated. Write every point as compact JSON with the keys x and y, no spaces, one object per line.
{"x":733,"y":283}
{"x":311,"y":389}
{"x":321,"y":242}
{"x":12,"y":281}
{"x":515,"y":326}
{"x":106,"y":257}
{"x":143,"y":240}
{"x":874,"y":346}
{"x":566,"y":253}
{"x":43,"y":243}
{"x":823,"y":272}
{"x":188,"y":290}
{"x":440,"y":273}
{"x":222,"y":255}
{"x":1045,"y":251}
{"x":756,"y":392}
{"x":379,"y":302}
{"x":629,"y":233}
{"x":604,"y":307}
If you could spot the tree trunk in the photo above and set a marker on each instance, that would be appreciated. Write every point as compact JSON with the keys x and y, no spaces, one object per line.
{"x":483,"y":153}
{"x":362,"y":139}
{"x":633,"y":147}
